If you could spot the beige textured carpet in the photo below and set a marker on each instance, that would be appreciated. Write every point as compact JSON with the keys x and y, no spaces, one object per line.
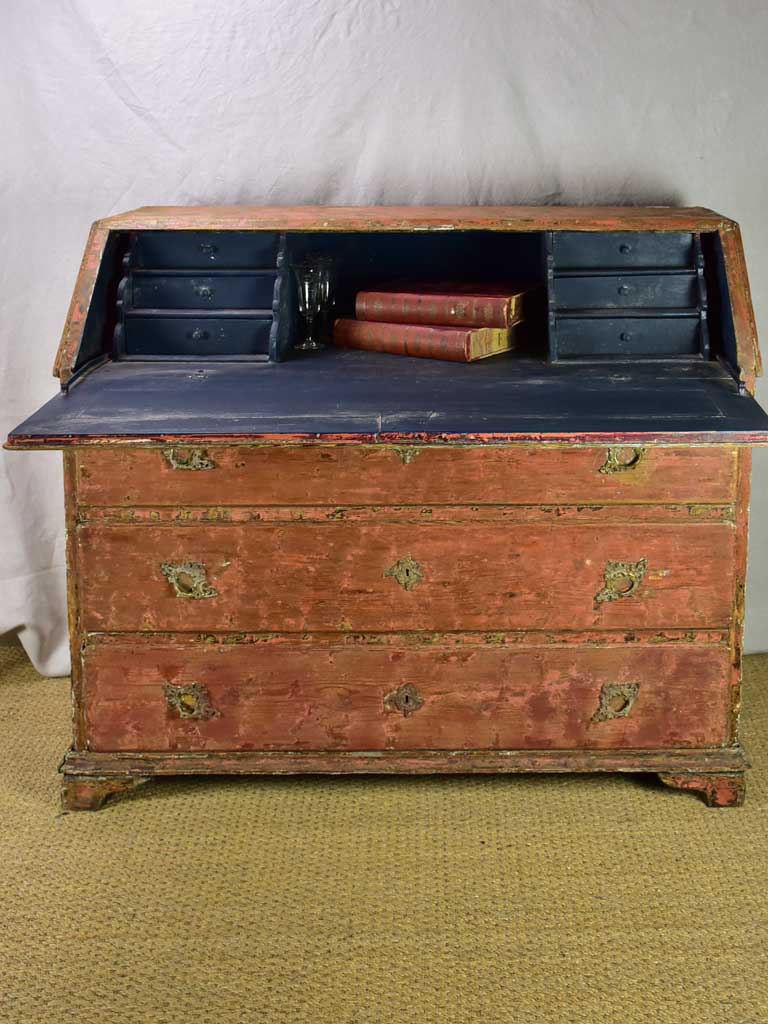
{"x":365,"y":900}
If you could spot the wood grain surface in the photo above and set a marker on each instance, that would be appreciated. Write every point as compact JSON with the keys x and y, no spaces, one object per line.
{"x":403,"y":474}
{"x":337,"y":575}
{"x":302,"y":697}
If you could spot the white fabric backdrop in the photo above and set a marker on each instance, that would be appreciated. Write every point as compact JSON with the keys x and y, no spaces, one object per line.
{"x":107,"y":106}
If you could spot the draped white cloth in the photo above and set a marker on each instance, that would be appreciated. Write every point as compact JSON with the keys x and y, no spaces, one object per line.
{"x":106,"y":106}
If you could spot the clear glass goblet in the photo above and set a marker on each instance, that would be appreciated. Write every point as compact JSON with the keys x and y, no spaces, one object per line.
{"x":310,"y":299}
{"x":327,"y":274}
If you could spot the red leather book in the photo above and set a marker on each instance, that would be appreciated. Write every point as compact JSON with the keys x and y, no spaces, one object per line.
{"x":459,"y":344}
{"x":450,"y":304}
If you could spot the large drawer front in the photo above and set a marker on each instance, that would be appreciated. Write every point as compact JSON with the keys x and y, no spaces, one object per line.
{"x":141,"y":696}
{"x":388,"y":575}
{"x":407,"y":475}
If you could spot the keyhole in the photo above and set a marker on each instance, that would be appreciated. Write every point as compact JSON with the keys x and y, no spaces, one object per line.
{"x":623,"y":584}
{"x":618,"y":703}
{"x":185,"y":582}
{"x":189,"y":702}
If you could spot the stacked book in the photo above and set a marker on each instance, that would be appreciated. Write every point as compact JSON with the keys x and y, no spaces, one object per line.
{"x":462,"y":323}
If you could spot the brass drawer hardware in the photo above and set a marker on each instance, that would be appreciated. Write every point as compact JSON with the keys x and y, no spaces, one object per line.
{"x":616,"y":460}
{"x":191,"y":701}
{"x":406,"y":699}
{"x":188,"y":458}
{"x":188,"y":580}
{"x":407,"y":572}
{"x":616,"y":701}
{"x":621,"y":580}
{"x":406,"y":454}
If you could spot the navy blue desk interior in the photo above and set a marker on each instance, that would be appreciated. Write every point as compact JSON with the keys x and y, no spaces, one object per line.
{"x":353,"y":392}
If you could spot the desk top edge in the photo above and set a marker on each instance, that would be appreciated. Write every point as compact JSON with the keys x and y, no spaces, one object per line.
{"x":410,"y":218}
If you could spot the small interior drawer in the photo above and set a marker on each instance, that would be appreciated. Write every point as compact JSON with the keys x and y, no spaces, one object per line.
{"x":628,"y":336}
{"x":294,"y":695}
{"x":626,"y":291}
{"x":200,"y":291}
{"x":193,"y":249}
{"x":195,"y":336}
{"x":622,"y":249}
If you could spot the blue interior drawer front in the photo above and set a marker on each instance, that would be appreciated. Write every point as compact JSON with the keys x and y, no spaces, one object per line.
{"x":199,"y":291}
{"x":598,"y":249}
{"x":628,"y":336}
{"x":176,"y":337}
{"x":665,"y":291}
{"x":205,"y":249}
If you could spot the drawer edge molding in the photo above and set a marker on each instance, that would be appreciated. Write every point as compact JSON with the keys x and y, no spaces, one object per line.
{"x":415,"y":638}
{"x":229,"y":515}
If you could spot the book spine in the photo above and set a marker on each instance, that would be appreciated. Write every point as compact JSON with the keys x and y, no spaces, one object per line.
{"x":456,"y":310}
{"x":397,"y":339}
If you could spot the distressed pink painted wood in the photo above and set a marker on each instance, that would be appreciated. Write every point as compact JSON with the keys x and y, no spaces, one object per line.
{"x":407,"y":603}
{"x":339,"y":697}
{"x":344,"y":576}
{"x":405,"y":474}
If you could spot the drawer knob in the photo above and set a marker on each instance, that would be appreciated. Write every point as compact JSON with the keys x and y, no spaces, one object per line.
{"x":188,"y":580}
{"x":625,"y":336}
{"x":621,"y":460}
{"x":624,"y":289}
{"x":198,"y":334}
{"x":191,"y":701}
{"x":621,"y":580}
{"x":188,"y":458}
{"x":406,"y":699}
{"x":203,"y":291}
{"x":616,"y":701}
{"x":209,"y":249}
{"x":407,"y":572}
{"x":625,"y":249}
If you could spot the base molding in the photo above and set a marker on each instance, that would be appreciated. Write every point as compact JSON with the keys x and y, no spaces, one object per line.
{"x":89,"y":778}
{"x":408,"y":762}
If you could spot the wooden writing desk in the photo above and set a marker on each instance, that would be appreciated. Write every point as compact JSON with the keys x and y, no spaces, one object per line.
{"x":354,"y":562}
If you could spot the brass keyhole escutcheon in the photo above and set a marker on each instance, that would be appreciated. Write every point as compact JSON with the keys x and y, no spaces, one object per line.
{"x":407,"y":572}
{"x":622,"y":460}
{"x":406,"y":699}
{"x":616,"y":701}
{"x":190,"y":701}
{"x":621,"y":580}
{"x":406,"y":454}
{"x":189,"y":580}
{"x":188,"y":458}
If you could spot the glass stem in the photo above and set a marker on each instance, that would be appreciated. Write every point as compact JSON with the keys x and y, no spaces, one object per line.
{"x":310,"y":332}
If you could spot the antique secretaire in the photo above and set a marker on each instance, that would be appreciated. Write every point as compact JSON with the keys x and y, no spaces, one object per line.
{"x":347,"y":561}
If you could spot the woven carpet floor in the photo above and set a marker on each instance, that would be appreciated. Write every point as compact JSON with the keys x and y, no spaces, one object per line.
{"x":370,"y":900}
